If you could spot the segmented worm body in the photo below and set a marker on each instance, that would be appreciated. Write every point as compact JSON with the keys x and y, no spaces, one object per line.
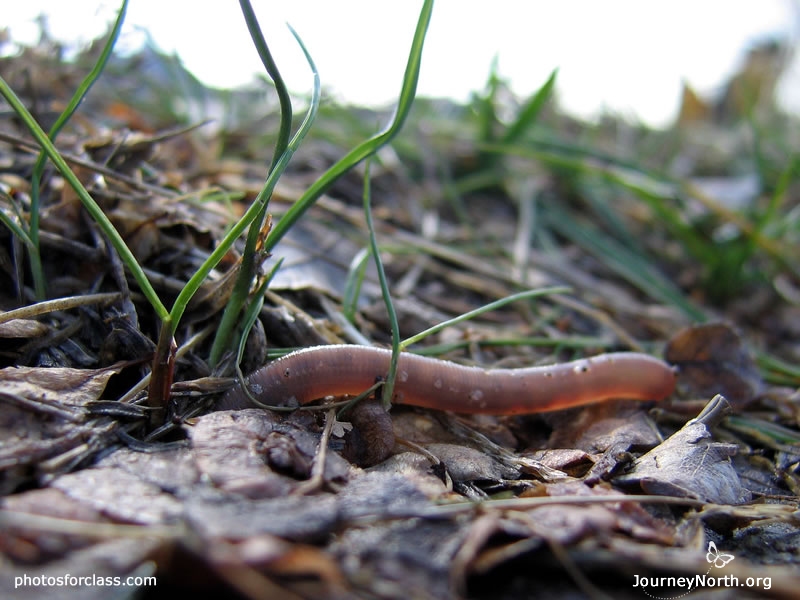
{"x":321,"y":371}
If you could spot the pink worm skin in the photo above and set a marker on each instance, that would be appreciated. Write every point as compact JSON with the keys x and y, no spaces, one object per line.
{"x":320,"y":371}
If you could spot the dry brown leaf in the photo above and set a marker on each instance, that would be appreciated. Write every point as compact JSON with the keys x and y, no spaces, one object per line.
{"x":71,"y":387}
{"x":121,"y":496}
{"x":713,"y":360}
{"x":468,"y":464}
{"x":690,"y":465}
{"x":258,"y":454}
{"x":44,"y":415}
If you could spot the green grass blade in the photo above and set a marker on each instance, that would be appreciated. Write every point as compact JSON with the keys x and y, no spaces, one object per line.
{"x":353,"y":283}
{"x":633,"y":267}
{"x":322,"y":184}
{"x":251,"y":314}
{"x":231,"y":314}
{"x":88,"y":202}
{"x":370,"y":146}
{"x":481,"y":310}
{"x":285,"y":101}
{"x":248,"y":267}
{"x":388,"y":386}
{"x":16,"y":229}
{"x":659,"y":192}
{"x":530,"y":111}
{"x":39,"y":284}
{"x":557,"y":344}
{"x":485,"y":106}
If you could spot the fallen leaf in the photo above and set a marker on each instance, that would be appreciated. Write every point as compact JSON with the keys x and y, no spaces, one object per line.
{"x":689,"y":464}
{"x":713,"y":360}
{"x":258,"y":454}
{"x":44,"y":415}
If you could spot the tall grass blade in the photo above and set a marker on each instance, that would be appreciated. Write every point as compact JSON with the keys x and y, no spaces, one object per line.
{"x":229,"y":317}
{"x":39,"y":284}
{"x":370,"y":146}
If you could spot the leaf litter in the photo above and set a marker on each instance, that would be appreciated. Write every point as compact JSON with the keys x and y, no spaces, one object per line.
{"x":572,"y":503}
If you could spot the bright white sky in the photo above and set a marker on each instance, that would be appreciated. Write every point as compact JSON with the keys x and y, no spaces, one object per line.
{"x":628,"y":56}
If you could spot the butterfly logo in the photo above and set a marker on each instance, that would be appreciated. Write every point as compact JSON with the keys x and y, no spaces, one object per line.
{"x":718,"y":558}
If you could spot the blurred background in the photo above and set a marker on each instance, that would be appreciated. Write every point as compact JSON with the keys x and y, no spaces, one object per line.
{"x":637,"y":60}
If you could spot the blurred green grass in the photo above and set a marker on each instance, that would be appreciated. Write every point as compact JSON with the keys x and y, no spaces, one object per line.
{"x":632,"y":198}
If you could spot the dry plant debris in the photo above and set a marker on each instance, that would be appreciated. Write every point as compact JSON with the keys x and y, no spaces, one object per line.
{"x":245,"y":503}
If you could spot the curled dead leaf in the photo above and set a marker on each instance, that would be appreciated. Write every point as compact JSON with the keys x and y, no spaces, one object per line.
{"x":689,"y":464}
{"x":712,"y":359}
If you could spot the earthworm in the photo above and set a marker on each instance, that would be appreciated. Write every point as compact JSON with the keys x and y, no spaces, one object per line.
{"x":338,"y":370}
